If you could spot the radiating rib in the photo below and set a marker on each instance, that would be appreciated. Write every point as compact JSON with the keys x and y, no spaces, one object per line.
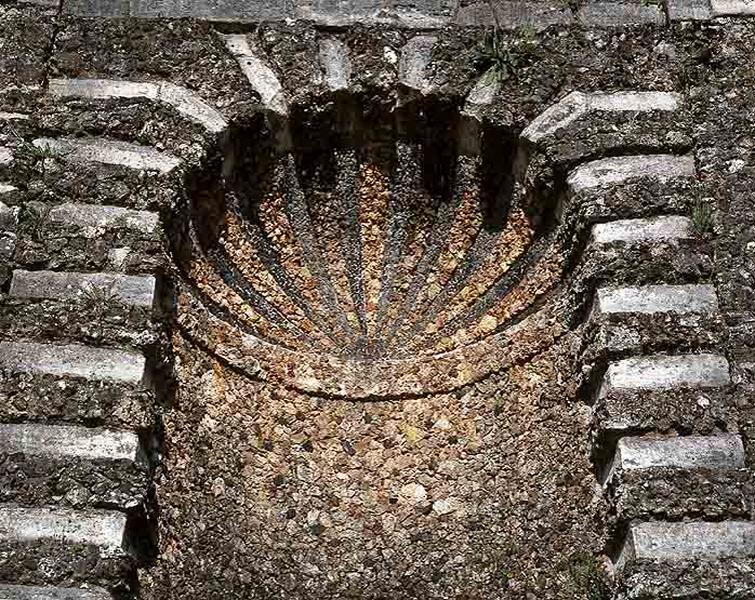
{"x":301,"y":230}
{"x":531,"y":276}
{"x":373,"y":192}
{"x":334,"y":213}
{"x":410,"y":211}
{"x":491,"y":256}
{"x":305,"y":297}
{"x":463,"y":210}
{"x":242,"y":256}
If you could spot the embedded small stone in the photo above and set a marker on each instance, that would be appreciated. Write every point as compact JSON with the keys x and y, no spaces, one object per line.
{"x":414,"y":492}
{"x":445,"y":507}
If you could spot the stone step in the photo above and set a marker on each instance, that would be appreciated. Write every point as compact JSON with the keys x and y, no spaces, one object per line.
{"x":695,"y":560}
{"x":98,"y":364}
{"x":179,"y":98}
{"x":576,"y":105}
{"x":28,"y":592}
{"x":624,"y":189}
{"x":675,"y":477}
{"x":679,"y":542}
{"x":666,"y":372}
{"x":90,"y":237}
{"x":582,"y":126}
{"x":61,"y":441}
{"x":131,"y":290}
{"x":645,"y":319}
{"x":71,"y":466}
{"x":91,"y":219}
{"x":658,"y":392}
{"x":110,"y":152}
{"x":105,"y":530}
{"x":618,"y":170}
{"x":653,"y":299}
{"x":58,"y":546}
{"x":689,"y":452}
{"x":74,"y":383}
{"x":652,"y":229}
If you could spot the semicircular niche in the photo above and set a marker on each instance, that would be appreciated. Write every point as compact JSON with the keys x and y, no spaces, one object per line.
{"x":361,"y":250}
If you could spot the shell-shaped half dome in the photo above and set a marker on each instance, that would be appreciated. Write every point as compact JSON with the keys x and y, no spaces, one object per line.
{"x":372,"y":251}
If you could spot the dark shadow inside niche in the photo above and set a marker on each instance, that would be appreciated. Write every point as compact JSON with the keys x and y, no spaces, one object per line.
{"x":436,"y":126}
{"x":373,"y":229}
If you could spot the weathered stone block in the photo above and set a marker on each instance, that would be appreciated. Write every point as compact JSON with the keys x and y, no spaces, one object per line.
{"x":513,"y":14}
{"x":657,"y":299}
{"x":103,"y":529}
{"x":610,"y":14}
{"x":732,"y":7}
{"x":415,"y":59}
{"x":618,"y":170}
{"x":60,"y":441}
{"x":94,"y":219}
{"x":131,"y":290}
{"x":653,"y":229}
{"x":99,"y":364}
{"x":662,"y":392}
{"x":685,"y":452}
{"x":335,"y":62}
{"x":577,"y":105}
{"x":693,"y":10}
{"x":24,"y":592}
{"x":666,"y":372}
{"x":687,"y":541}
{"x":262,"y":78}
{"x":181,"y":99}
{"x":111,"y":152}
{"x":71,"y":466}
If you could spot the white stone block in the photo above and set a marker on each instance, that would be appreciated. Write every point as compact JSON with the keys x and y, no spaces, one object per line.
{"x":181,"y":99}
{"x":262,"y":78}
{"x":620,"y":169}
{"x":676,"y":542}
{"x":110,"y":152}
{"x":415,"y":60}
{"x":96,"y":217}
{"x":63,"y":441}
{"x":72,"y":360}
{"x":654,"y":229}
{"x":104,"y":529}
{"x":133,"y":290}
{"x":652,"y":299}
{"x":723,"y":451}
{"x":335,"y":61}
{"x":659,"y":372}
{"x":732,"y":7}
{"x":577,"y":104}
{"x":27,"y":592}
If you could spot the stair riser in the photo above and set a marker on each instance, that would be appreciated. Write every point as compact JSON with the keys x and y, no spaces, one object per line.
{"x":672,"y":494}
{"x":43,"y":397}
{"x":43,"y":481}
{"x":88,"y":321}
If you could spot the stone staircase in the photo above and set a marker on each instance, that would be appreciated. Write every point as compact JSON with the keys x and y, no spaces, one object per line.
{"x":666,"y":445}
{"x":78,"y":380}
{"x":666,"y":442}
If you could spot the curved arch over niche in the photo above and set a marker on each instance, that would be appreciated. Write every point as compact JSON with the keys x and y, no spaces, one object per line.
{"x":361,"y":250}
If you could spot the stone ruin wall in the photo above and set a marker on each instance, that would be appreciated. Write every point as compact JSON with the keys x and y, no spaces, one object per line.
{"x":297,"y":302}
